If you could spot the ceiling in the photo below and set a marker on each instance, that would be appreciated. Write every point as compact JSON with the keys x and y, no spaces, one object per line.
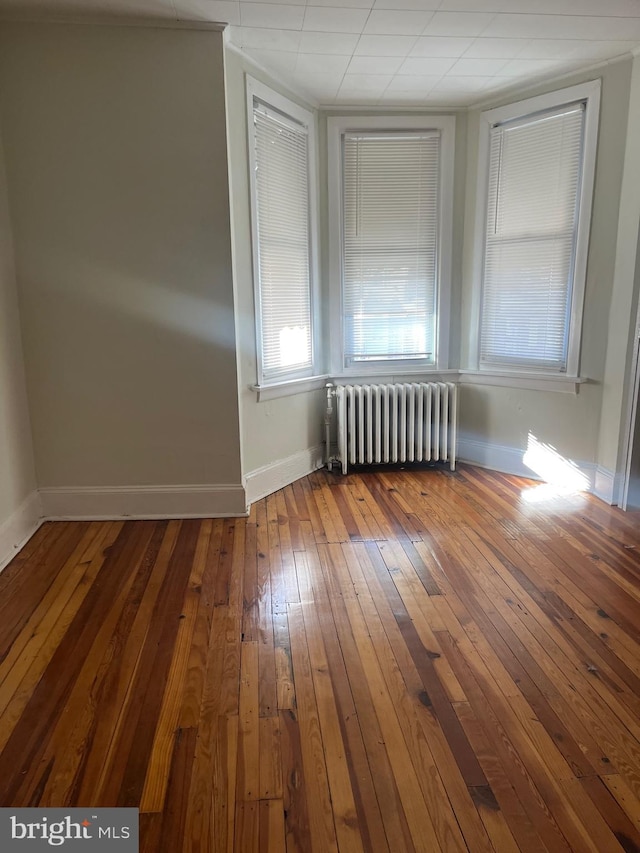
{"x":398,"y":52}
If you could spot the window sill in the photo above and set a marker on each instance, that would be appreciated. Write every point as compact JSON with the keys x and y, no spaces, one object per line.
{"x":410,"y":374}
{"x":522,"y":379}
{"x":289,"y":387}
{"x":511,"y":379}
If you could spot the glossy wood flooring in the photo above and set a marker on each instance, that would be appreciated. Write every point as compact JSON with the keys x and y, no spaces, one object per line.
{"x":397,"y":661}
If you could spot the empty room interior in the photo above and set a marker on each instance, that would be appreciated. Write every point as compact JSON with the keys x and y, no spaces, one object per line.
{"x":319,"y":455}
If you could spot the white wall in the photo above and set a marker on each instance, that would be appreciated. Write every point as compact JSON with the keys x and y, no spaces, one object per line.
{"x":288,"y":427}
{"x":624,"y":297}
{"x":503,"y":418}
{"x":117,"y":166}
{"x":18,"y":511}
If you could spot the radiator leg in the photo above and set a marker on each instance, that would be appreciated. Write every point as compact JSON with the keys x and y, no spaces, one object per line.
{"x":454,"y":426}
{"x":328,"y":417}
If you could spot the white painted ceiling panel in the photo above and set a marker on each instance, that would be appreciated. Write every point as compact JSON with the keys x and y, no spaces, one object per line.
{"x":414,"y":84}
{"x":374,"y":64}
{"x":440,"y":46}
{"x":458,"y":23}
{"x":427,"y":65}
{"x":318,"y":63}
{"x":330,"y":20}
{"x":282,"y":63}
{"x":393,"y":22}
{"x":272,"y":16}
{"x":271,"y":39}
{"x":384,"y":45}
{"x":327,"y":43}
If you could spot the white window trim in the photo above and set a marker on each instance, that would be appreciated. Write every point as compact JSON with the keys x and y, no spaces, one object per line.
{"x":336,"y":127}
{"x":589,"y":93}
{"x":290,"y":387}
{"x":522,"y":379}
{"x":259,"y":91}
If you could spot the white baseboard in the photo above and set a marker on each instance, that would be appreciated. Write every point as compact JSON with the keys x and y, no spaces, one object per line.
{"x":497,"y":457}
{"x":222,"y":501}
{"x":268,"y":479}
{"x":509,"y":460}
{"x":607,"y":485}
{"x":19,"y":527}
{"x":88,"y":503}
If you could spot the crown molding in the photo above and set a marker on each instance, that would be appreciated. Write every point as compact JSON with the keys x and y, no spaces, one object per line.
{"x":109,"y":21}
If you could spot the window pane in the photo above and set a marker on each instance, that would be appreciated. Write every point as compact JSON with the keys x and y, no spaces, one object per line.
{"x":282,"y":201}
{"x":534,"y":183}
{"x":390,"y":237}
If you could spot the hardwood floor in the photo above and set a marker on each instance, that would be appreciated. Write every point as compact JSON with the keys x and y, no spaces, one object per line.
{"x":395,"y":661}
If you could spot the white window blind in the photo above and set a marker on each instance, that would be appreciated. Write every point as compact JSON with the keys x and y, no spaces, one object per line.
{"x":390,"y":238}
{"x":532,"y":219}
{"x":283,"y":238}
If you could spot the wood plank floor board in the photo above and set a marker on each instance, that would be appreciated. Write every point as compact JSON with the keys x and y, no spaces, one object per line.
{"x":396,"y":660}
{"x":395,"y":829}
{"x":362,"y":616}
{"x":512,"y":650}
{"x":158,"y":765}
{"x":196,"y":666}
{"x":295,"y":799}
{"x":435,"y":761}
{"x":523,"y":611}
{"x":519,"y":826}
{"x":206,"y":765}
{"x":46,"y":705}
{"x":532,"y":799}
{"x":28,"y":656}
{"x":624,"y":796}
{"x":623,"y":828}
{"x":571,"y":625}
{"x":31,"y":581}
{"x":77,"y":735}
{"x":340,"y":658}
{"x":314,"y":765}
{"x":120,"y":677}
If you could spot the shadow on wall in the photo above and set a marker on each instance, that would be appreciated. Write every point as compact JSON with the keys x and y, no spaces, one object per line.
{"x":162,"y":304}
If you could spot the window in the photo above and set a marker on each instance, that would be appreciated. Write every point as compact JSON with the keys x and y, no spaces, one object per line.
{"x":390,"y":215}
{"x":537,"y":163}
{"x":281,"y":157}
